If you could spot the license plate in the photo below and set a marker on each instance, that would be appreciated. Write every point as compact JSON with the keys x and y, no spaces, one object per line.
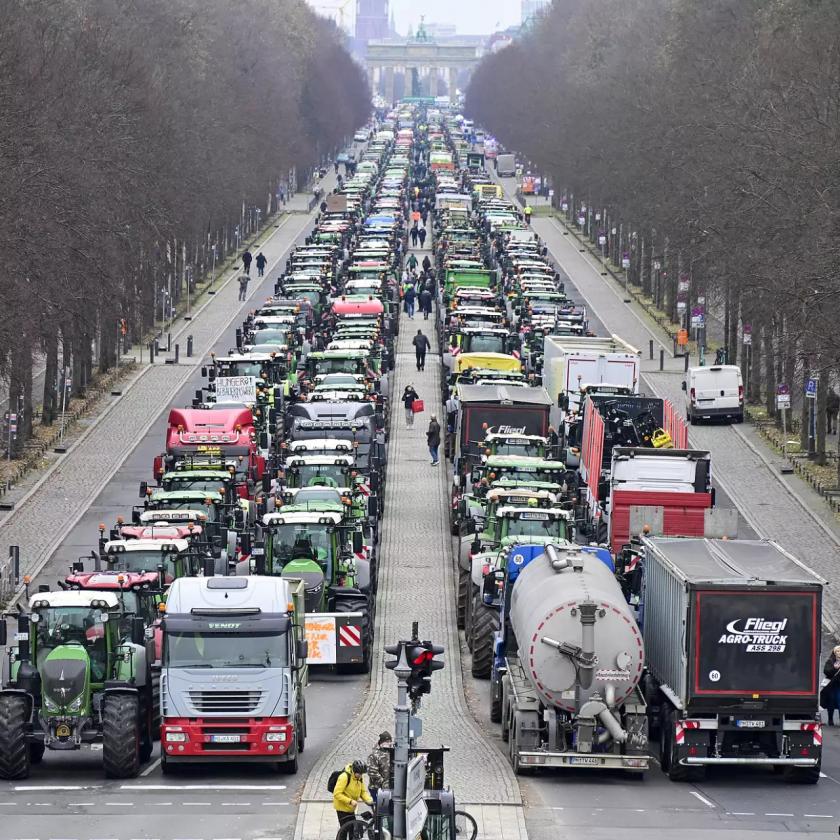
{"x":225,"y":739}
{"x":585,"y":759}
{"x":751,"y":724}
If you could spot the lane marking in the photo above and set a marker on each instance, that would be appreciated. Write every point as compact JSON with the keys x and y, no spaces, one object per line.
{"x":57,"y":787}
{"x":151,"y":768}
{"x":79,"y":804}
{"x":203,"y":787}
{"x":196,"y":803}
{"x":821,"y":816}
{"x":702,"y":798}
{"x":742,"y":813}
{"x":778,"y":815}
{"x":119,"y":804}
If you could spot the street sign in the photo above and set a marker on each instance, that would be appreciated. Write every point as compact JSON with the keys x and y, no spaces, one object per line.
{"x":581,"y":220}
{"x":747,"y":333}
{"x":415,"y":781}
{"x":625,"y":260}
{"x":681,"y":306}
{"x":811,"y":389}
{"x":682,"y":285}
{"x":415,"y":818}
{"x":602,"y":240}
{"x":782,"y":401}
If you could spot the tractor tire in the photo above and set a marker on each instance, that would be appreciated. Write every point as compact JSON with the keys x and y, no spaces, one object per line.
{"x":147,"y":736}
{"x":121,"y":736}
{"x":359,"y":605}
{"x":461,"y":597}
{"x":469,"y":609}
{"x":14,"y":747}
{"x":601,"y":532}
{"x":802,"y":775}
{"x":36,"y":752}
{"x":485,"y":624}
{"x":496,"y":701}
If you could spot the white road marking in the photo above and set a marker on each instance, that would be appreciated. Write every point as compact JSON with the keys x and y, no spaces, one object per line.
{"x":778,"y":815}
{"x":266,"y":805}
{"x":79,"y":804}
{"x":119,"y":804}
{"x":5,"y":804}
{"x":202,"y":787}
{"x":57,"y":787}
{"x":820,"y":816}
{"x":823,"y":775}
{"x":196,"y":803}
{"x":234,"y":804}
{"x":151,"y":768}
{"x":702,"y":798}
{"x":743,"y":813}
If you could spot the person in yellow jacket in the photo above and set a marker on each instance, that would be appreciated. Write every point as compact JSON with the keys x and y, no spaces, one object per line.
{"x":349,"y":789}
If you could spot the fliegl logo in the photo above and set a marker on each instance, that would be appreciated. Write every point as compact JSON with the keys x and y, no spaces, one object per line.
{"x":757,"y":635}
{"x":506,"y":430}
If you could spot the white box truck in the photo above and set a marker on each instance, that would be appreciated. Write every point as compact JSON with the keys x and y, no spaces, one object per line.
{"x":571,"y":363}
{"x":506,"y":165}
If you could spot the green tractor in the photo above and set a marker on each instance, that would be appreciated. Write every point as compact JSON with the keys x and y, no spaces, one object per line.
{"x":314,"y":542}
{"x":80,"y":675}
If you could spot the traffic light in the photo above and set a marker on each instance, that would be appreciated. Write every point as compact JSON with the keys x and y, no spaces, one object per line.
{"x":394,"y":650}
{"x":421,"y":658}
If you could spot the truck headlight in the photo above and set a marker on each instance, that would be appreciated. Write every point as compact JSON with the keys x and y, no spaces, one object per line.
{"x":76,"y":705}
{"x":176,"y":737}
{"x":275,"y":736}
{"x":49,"y":705}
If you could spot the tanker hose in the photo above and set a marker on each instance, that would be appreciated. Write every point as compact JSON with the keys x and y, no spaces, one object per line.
{"x":612,"y":727}
{"x":557,"y":561}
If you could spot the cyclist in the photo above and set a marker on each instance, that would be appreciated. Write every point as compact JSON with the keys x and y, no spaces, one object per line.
{"x":349,"y":789}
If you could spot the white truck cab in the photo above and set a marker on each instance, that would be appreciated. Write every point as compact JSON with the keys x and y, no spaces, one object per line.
{"x":716,"y":391}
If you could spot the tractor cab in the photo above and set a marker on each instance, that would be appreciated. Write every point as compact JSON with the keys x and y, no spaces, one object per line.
{"x":515,"y":444}
{"x":318,"y":471}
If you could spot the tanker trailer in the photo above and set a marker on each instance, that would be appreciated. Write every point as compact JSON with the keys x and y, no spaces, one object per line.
{"x":568,"y":660}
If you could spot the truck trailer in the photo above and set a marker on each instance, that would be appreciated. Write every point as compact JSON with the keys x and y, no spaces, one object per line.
{"x":732,"y":638}
{"x":568,"y":660}
{"x":233,"y":671}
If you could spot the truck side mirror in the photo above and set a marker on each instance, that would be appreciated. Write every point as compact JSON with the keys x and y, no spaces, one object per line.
{"x":245,"y":543}
{"x":204,"y":371}
{"x":373,"y":507}
{"x":301,"y":649}
{"x":263,"y":440}
{"x":358,"y":542}
{"x":266,"y":482}
{"x":684,"y":386}
{"x":138,"y":630}
{"x":78,"y":567}
{"x":209,"y":567}
{"x":144,"y":485}
{"x":563,"y":401}
{"x":475,"y":545}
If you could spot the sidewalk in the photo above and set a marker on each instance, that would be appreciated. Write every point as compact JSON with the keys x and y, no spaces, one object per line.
{"x":47,"y":511}
{"x":416,"y":583}
{"x":779,"y":507}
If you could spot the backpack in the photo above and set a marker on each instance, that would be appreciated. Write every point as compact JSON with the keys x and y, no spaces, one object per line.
{"x":332,"y":781}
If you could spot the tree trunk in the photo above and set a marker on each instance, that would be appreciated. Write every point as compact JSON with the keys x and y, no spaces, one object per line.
{"x":49,"y":409}
{"x":822,"y":392}
{"x":769,"y":367}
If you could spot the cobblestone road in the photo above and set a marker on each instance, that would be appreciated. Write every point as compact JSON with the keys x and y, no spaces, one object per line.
{"x":416,"y":583}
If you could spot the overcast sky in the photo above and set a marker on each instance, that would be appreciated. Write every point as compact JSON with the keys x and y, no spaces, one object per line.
{"x":471,"y":17}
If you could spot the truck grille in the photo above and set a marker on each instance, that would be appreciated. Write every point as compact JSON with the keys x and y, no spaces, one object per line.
{"x":226,"y":702}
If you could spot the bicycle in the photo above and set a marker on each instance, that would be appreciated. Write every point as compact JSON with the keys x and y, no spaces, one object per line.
{"x":364,"y":828}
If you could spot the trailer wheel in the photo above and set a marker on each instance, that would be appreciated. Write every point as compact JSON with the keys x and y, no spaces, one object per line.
{"x":121,"y":736}
{"x":496,"y":701}
{"x":505,"y":707}
{"x":802,"y":775}
{"x":461,"y":597}
{"x":676,"y":772}
{"x":147,"y":739}
{"x":469,"y":608}
{"x":14,"y":749}
{"x":485,"y":624}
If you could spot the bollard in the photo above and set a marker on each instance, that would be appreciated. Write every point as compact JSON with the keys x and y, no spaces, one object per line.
{"x":151,"y":352}
{"x":661,"y":359}
{"x":189,"y":346}
{"x":651,"y":349}
{"x":14,"y":556}
{"x":177,"y":352}
{"x":687,"y":357}
{"x":168,"y":342}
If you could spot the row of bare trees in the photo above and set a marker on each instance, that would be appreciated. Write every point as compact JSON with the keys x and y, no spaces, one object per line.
{"x":707,"y":138}
{"x":135,"y":138}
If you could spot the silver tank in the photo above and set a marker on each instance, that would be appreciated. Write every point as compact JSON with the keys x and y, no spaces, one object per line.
{"x":545,"y":605}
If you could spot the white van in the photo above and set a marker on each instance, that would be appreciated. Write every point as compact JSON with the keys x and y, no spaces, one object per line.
{"x":716,"y":391}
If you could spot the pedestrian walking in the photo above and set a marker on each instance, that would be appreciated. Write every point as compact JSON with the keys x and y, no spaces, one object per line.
{"x":830,"y":692}
{"x":553,"y":444}
{"x":379,"y":764}
{"x":528,"y":212}
{"x":349,"y":790}
{"x":408,"y":398}
{"x":261,"y":261}
{"x":410,"y":296}
{"x":246,"y":261}
{"x":411,"y":262}
{"x":832,"y":407}
{"x":427,"y":263}
{"x":424,"y":214}
{"x":433,"y":439}
{"x":414,"y":234}
{"x":421,"y":345}
{"x":453,"y":406}
{"x":421,"y":235}
{"x":426,"y":303}
{"x":243,"y":286}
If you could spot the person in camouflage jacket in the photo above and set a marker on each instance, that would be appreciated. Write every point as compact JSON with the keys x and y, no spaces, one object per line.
{"x":379,"y":764}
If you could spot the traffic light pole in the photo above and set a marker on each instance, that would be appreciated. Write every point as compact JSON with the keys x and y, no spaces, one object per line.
{"x":402,"y":713}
